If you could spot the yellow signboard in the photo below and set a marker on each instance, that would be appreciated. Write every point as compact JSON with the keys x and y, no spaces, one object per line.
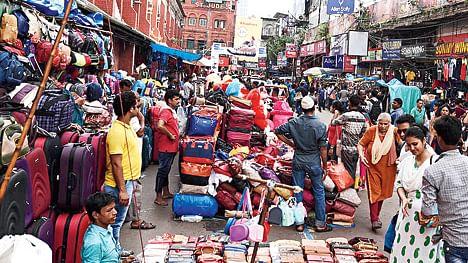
{"x":248,"y":33}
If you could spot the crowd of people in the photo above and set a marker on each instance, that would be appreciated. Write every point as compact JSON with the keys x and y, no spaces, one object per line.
{"x":420,"y":154}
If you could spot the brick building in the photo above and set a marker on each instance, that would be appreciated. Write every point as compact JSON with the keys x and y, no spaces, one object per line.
{"x":208,"y":21}
{"x":137,"y":23}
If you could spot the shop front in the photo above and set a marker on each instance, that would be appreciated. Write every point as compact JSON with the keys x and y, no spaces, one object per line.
{"x":312,"y":54}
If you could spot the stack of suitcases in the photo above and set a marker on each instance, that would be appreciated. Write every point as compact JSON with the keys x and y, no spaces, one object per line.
{"x":239,"y":126}
{"x":197,"y":151}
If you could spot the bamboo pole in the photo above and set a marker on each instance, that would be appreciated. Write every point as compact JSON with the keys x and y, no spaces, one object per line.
{"x":41,"y":89}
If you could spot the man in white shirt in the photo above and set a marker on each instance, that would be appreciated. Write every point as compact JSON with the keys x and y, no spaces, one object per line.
{"x":404,"y":122}
{"x":187,"y":89}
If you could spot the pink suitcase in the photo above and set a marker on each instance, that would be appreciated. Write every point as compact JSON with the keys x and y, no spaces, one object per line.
{"x":98,"y":141}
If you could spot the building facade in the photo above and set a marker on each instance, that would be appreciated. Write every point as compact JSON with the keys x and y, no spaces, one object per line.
{"x":207,"y":22}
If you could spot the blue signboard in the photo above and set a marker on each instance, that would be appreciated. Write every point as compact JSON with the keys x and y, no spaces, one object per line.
{"x":391,"y":50}
{"x":329,"y":62}
{"x":340,"y":7}
{"x":339,"y":61}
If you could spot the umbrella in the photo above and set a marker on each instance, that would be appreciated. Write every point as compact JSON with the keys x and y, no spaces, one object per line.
{"x":315,"y":71}
{"x":213,"y":77}
{"x":226,"y":78}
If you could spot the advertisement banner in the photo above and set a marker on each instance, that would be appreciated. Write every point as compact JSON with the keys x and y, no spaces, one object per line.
{"x":329,"y":62}
{"x":358,"y":43}
{"x":316,"y":48}
{"x":391,"y":50}
{"x":291,"y":50}
{"x":223,"y":61}
{"x":262,"y":63}
{"x":248,"y":32}
{"x":413,"y":51}
{"x":340,"y":7}
{"x":338,"y":62}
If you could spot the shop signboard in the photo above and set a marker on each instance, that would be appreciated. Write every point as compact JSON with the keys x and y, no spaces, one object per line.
{"x":303,"y":52}
{"x":413,"y":51}
{"x":223,"y":61}
{"x":348,"y":65}
{"x":391,"y":50}
{"x":262,"y":63}
{"x":339,"y":62}
{"x":247,"y":37}
{"x":340,"y":7}
{"x":452,"y":48}
{"x":329,"y":62}
{"x":291,"y":50}
{"x":316,"y":48}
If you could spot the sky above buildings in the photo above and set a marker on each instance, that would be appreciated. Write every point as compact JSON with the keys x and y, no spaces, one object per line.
{"x":267,"y":8}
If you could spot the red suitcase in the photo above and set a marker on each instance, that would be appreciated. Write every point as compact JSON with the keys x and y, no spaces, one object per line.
{"x":69,"y":137}
{"x":39,"y":181}
{"x":68,"y":237}
{"x":98,"y":141}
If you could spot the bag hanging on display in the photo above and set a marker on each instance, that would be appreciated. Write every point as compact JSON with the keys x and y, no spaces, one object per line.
{"x":275,"y":216}
{"x":231,"y":221}
{"x":339,"y":175}
{"x":12,"y":71}
{"x":240,"y":230}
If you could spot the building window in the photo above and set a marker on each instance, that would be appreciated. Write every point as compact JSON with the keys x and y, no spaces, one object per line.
{"x":190,"y":44}
{"x":201,"y":44}
{"x":216,"y":23}
{"x":219,"y":24}
{"x":202,"y":21}
{"x":192,"y":21}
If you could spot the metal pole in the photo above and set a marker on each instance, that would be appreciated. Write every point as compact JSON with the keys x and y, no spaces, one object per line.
{"x":261,"y":221}
{"x":41,"y":89}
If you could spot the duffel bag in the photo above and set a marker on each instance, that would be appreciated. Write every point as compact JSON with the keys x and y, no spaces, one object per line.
{"x":201,"y":126}
{"x":55,"y":110}
{"x":226,"y":200}
{"x":198,"y":150}
{"x":339,"y":175}
{"x":240,"y":122}
{"x":194,"y":180}
{"x":343,"y":208}
{"x":201,"y":170}
{"x":245,"y":113}
{"x":189,"y":204}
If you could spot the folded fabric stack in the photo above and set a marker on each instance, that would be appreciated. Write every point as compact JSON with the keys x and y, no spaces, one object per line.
{"x":316,"y":251}
{"x":239,"y":125}
{"x":263,"y":255}
{"x":155,"y":253}
{"x":366,"y":250}
{"x":286,"y":251}
{"x":209,"y":252}
{"x":181,"y":253}
{"x":235,"y":253}
{"x":342,"y":251}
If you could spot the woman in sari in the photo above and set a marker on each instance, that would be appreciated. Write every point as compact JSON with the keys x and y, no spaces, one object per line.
{"x":413,"y":242}
{"x":377,"y":150}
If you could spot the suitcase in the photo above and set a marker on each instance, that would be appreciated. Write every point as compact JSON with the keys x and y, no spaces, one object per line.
{"x":28,"y":210}
{"x":12,"y":208}
{"x":38,"y":178}
{"x":53,"y":149}
{"x":233,"y":137}
{"x":68,"y":237}
{"x":43,"y":228}
{"x":98,"y":141}
{"x":69,"y":137}
{"x":77,"y":178}
{"x":198,"y":150}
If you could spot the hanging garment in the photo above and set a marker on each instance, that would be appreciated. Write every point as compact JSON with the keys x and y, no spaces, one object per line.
{"x":446,"y":71}
{"x":463,"y":69}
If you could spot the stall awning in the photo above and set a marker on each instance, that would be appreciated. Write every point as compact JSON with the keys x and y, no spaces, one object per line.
{"x":175,"y":52}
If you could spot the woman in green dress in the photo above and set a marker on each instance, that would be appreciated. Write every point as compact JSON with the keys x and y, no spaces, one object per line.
{"x":413,"y":243}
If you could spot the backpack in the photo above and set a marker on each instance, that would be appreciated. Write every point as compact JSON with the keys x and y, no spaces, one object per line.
{"x":375,"y":110}
{"x":12,"y":71}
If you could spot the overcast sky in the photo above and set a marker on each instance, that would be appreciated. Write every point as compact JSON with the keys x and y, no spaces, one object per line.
{"x":267,"y":8}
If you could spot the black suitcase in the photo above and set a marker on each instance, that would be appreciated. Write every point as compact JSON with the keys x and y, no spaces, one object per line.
{"x":13,"y":205}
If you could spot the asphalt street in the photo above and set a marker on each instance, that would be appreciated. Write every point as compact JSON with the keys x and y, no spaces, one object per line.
{"x":163,"y":219}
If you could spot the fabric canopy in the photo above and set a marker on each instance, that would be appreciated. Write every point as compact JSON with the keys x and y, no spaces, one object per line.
{"x":175,"y":52}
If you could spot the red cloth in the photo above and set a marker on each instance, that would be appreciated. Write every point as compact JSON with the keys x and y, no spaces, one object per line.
{"x":463,"y":72}
{"x":172,"y":125}
{"x":459,"y":111}
{"x":332,"y":134}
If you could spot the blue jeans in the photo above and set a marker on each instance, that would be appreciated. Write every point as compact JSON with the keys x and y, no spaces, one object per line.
{"x":165,"y":164}
{"x":315,"y":173}
{"x":121,"y":210}
{"x":455,"y":254}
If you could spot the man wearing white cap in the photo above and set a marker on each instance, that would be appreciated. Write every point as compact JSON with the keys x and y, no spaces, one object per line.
{"x":307,"y":135}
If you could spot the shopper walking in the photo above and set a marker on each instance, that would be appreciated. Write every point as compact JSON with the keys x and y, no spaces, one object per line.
{"x":397,"y":110}
{"x":334,"y":131}
{"x":123,"y":157}
{"x":168,"y":127}
{"x":419,"y":112}
{"x":309,"y":140}
{"x":444,"y":185}
{"x":377,"y":150}
{"x":411,"y":243}
{"x":354,"y":126}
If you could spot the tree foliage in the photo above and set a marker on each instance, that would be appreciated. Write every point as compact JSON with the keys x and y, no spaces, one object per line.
{"x":277,"y":44}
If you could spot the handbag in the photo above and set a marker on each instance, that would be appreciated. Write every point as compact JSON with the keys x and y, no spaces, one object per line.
{"x":255,"y":230}
{"x":201,"y":126}
{"x":350,"y":197}
{"x":198,"y":150}
{"x":268,"y":174}
{"x":222,"y":167}
{"x":288,"y":213}
{"x":328,"y":184}
{"x":10,"y":132}
{"x":265,"y":159}
{"x":339,"y":175}
{"x":240,"y":230}
{"x":193,"y":189}
{"x":201,"y":170}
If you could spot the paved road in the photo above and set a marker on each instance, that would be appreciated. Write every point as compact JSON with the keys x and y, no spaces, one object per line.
{"x":162,"y":217}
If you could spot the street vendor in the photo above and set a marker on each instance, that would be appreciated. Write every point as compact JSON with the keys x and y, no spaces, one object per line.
{"x":309,"y":141}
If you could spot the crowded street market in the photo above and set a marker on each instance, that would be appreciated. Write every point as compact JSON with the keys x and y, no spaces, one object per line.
{"x":172,"y":131}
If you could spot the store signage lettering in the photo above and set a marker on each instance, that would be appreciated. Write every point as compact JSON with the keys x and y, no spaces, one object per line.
{"x":315,"y":48}
{"x":340,"y":7}
{"x":338,"y":62}
{"x":212,"y":5}
{"x":329,"y":62}
{"x":291,"y":50}
{"x":391,"y":50}
{"x":413,"y":51}
{"x":452,"y":48}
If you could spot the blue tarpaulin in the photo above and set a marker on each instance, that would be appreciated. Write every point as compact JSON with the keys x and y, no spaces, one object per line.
{"x":175,"y":52}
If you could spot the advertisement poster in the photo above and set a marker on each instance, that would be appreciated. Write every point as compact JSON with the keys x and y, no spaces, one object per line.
{"x":291,"y":50}
{"x":391,"y":50}
{"x":340,"y":7}
{"x":248,"y":32}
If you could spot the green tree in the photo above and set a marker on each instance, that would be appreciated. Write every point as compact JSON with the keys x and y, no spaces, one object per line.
{"x":276,"y":45}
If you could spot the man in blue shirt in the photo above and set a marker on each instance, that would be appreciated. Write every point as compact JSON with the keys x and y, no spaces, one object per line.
{"x":397,"y":110}
{"x":99,"y":244}
{"x":309,"y":141}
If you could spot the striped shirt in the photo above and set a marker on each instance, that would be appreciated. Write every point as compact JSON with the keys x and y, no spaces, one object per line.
{"x":354,"y":126}
{"x":444,"y":189}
